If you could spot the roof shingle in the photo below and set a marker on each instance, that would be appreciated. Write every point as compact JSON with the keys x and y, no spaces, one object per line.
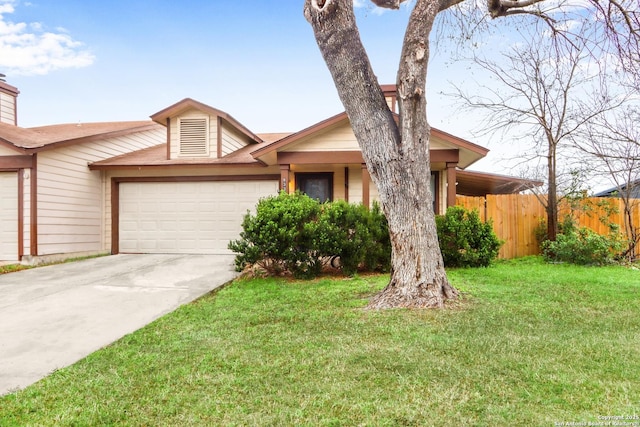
{"x":44,"y":136}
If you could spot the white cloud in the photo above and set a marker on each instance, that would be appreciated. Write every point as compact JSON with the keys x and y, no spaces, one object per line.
{"x":360,"y":4}
{"x":6,"y":7}
{"x":27,"y":48}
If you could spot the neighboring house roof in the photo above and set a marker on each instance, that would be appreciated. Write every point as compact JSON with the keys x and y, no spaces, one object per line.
{"x":472,"y":183}
{"x":157,"y":157}
{"x":634,"y":189}
{"x":188,"y":103}
{"x":47,"y":137}
{"x":7,"y":88}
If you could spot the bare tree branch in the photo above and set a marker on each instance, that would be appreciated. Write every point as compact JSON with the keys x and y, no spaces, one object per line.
{"x":498,"y":8}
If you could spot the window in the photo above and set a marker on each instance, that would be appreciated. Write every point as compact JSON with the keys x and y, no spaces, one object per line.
{"x":194,"y":139}
{"x":318,"y":186}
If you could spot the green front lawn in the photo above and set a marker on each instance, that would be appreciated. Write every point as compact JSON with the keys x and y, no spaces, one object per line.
{"x":530,"y":344}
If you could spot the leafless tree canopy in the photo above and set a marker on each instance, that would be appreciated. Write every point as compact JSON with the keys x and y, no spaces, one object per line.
{"x":557,"y":82}
{"x":611,"y":143}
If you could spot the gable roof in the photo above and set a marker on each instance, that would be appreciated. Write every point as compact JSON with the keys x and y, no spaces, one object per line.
{"x":476,"y":152}
{"x":47,"y":137}
{"x":188,"y":103}
{"x":296,"y":136}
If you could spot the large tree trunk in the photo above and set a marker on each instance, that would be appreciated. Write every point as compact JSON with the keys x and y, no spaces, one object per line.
{"x":397,"y":157}
{"x":552,"y":202}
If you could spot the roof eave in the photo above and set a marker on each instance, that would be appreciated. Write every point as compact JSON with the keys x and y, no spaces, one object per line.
{"x":7,"y":88}
{"x":12,"y":146}
{"x":90,"y":138}
{"x":460,"y":142}
{"x":104,"y":167}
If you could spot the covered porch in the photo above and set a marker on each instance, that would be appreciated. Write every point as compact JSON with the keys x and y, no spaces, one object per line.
{"x":343,"y":175}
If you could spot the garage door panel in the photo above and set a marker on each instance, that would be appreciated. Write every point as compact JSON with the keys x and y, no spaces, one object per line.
{"x":187,"y":228}
{"x":168,"y":225}
{"x":8,"y":216}
{"x":186,"y":217}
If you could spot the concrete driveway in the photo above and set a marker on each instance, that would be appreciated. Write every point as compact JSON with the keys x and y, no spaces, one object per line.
{"x":51,"y":317}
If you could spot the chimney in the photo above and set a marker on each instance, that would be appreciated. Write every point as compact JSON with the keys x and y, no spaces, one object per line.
{"x":391,"y":95}
{"x":8,"y":102}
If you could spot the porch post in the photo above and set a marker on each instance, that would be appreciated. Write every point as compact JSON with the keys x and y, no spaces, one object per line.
{"x":21,"y":173}
{"x":365,"y":185}
{"x":33,"y":209}
{"x":451,"y":184}
{"x":284,"y":177}
{"x":346,"y":184}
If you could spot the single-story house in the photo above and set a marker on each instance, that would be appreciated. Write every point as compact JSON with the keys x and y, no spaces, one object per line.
{"x":631,"y":188}
{"x":182,"y":181}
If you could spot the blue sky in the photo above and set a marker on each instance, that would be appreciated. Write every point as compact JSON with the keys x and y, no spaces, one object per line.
{"x":85,"y":61}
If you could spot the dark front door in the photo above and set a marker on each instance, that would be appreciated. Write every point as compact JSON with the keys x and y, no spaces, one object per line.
{"x":318,"y":186}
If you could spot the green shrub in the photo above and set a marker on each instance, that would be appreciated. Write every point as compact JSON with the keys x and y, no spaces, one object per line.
{"x":583,"y":246}
{"x":296,"y":234}
{"x":341,"y":232}
{"x":355,"y":234}
{"x":278,"y":238}
{"x":378,"y":255}
{"x":466,"y":241}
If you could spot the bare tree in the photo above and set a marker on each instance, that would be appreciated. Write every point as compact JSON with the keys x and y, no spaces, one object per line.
{"x":613,"y":142}
{"x":397,"y":155}
{"x":542,"y":95}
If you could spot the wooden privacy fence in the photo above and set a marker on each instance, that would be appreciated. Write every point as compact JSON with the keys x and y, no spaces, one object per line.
{"x":516,"y":216}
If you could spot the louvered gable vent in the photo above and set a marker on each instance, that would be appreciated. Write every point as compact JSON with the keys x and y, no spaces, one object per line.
{"x":193,"y":136}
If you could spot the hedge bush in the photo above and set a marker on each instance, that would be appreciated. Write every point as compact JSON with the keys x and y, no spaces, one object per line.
{"x":583,"y":246}
{"x":466,"y":241}
{"x":280,"y":237}
{"x":355,"y":234}
{"x":296,"y":234}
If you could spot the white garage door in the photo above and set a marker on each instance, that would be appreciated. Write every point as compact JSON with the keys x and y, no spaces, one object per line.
{"x":186,"y":217}
{"x":8,"y":216}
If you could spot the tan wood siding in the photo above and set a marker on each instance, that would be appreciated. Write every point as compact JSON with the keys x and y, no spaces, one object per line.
{"x":71,"y":197}
{"x":8,"y":216}
{"x":438,"y":144}
{"x":7,"y":109}
{"x":6,"y":151}
{"x":174,"y":138}
{"x":342,"y":138}
{"x":232,"y":140}
{"x":355,"y":186}
{"x":339,"y":138}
